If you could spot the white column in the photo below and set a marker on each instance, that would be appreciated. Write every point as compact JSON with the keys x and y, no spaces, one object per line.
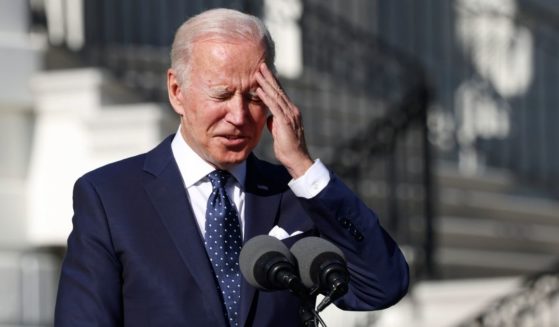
{"x":84,"y":120}
{"x":64,"y":101}
{"x":20,"y":58}
{"x":282,"y":19}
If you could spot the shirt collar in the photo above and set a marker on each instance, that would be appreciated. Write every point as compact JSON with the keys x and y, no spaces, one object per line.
{"x":194,"y":169}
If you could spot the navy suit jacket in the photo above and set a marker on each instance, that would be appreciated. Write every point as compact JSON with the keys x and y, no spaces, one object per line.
{"x":135,"y":256}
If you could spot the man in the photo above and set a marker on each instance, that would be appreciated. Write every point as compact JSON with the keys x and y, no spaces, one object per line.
{"x":156,"y":237}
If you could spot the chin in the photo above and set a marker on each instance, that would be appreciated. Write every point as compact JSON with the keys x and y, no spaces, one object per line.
{"x":228,"y":160}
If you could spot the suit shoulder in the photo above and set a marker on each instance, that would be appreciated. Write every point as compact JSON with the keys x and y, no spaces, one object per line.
{"x":132,"y":167}
{"x":117,"y":170}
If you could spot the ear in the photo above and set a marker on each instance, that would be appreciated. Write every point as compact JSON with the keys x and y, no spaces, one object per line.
{"x":174,"y":89}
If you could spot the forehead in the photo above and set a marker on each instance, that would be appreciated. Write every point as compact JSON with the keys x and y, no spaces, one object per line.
{"x":234,"y":59}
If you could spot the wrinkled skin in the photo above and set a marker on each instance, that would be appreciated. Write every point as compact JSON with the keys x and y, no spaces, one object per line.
{"x":225,"y":103}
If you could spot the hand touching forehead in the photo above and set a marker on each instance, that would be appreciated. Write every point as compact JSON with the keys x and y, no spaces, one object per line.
{"x":221,"y":116}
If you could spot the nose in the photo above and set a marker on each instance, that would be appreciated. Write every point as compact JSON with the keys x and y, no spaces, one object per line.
{"x":238,"y":108}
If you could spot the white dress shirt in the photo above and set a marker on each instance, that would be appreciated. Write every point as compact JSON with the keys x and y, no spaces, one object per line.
{"x":194,"y":171}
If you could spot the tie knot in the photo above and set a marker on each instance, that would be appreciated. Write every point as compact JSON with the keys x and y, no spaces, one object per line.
{"x":218,"y":178}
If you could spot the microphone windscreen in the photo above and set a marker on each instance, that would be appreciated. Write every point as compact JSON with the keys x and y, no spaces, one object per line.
{"x":308,"y":251}
{"x":253,"y":250}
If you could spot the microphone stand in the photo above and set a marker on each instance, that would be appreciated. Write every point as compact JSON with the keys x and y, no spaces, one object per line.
{"x":307,"y":312}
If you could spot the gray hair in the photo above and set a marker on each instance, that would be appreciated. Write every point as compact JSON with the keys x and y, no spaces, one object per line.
{"x":219,"y":24}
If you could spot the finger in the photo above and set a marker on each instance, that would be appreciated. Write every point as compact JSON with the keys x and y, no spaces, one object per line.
{"x":271,"y":85}
{"x":269,"y":76}
{"x":267,"y":96}
{"x":276,"y":101}
{"x":280,"y":109}
{"x":271,"y":99}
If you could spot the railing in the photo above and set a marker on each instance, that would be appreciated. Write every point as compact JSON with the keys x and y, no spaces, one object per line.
{"x":364,"y":103}
{"x":367,"y":104}
{"x":28,"y":281}
{"x":536,"y":304}
{"x":495,"y":65}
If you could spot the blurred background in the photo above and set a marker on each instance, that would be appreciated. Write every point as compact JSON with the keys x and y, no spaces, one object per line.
{"x":439,"y":113}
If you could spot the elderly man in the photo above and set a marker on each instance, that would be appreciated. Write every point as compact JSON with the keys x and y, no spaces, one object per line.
{"x":156,"y":237}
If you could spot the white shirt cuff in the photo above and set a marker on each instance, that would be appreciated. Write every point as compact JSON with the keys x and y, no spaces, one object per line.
{"x":312,"y":182}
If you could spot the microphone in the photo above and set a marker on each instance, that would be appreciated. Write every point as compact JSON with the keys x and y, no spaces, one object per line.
{"x":267,"y":264}
{"x":322,"y":265}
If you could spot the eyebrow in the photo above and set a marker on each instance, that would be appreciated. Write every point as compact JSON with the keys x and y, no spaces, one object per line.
{"x":218,"y":90}
{"x":226,"y":90}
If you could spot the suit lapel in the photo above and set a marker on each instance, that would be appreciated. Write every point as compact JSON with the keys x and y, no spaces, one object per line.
{"x":260,"y":214}
{"x":262,"y":202}
{"x":264,"y":186}
{"x":168,"y":195}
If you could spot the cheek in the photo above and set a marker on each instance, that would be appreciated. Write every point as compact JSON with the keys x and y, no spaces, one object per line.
{"x":203,"y":117}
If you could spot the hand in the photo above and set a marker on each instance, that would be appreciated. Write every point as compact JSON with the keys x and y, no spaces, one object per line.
{"x":285,"y":124}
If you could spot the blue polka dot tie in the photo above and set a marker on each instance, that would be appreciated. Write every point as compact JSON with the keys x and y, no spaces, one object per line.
{"x":223,"y":243}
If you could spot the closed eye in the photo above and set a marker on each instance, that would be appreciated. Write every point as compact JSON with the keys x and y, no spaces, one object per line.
{"x":221,"y":96}
{"x":253,"y":97}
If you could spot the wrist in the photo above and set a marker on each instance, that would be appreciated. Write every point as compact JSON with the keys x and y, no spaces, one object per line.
{"x":297,"y":168}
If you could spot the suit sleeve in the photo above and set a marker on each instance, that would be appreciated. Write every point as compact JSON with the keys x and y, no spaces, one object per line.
{"x":379,"y":274}
{"x":89,"y":292}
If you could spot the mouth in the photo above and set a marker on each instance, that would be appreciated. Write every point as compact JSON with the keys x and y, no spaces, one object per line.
{"x":233,"y":140}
